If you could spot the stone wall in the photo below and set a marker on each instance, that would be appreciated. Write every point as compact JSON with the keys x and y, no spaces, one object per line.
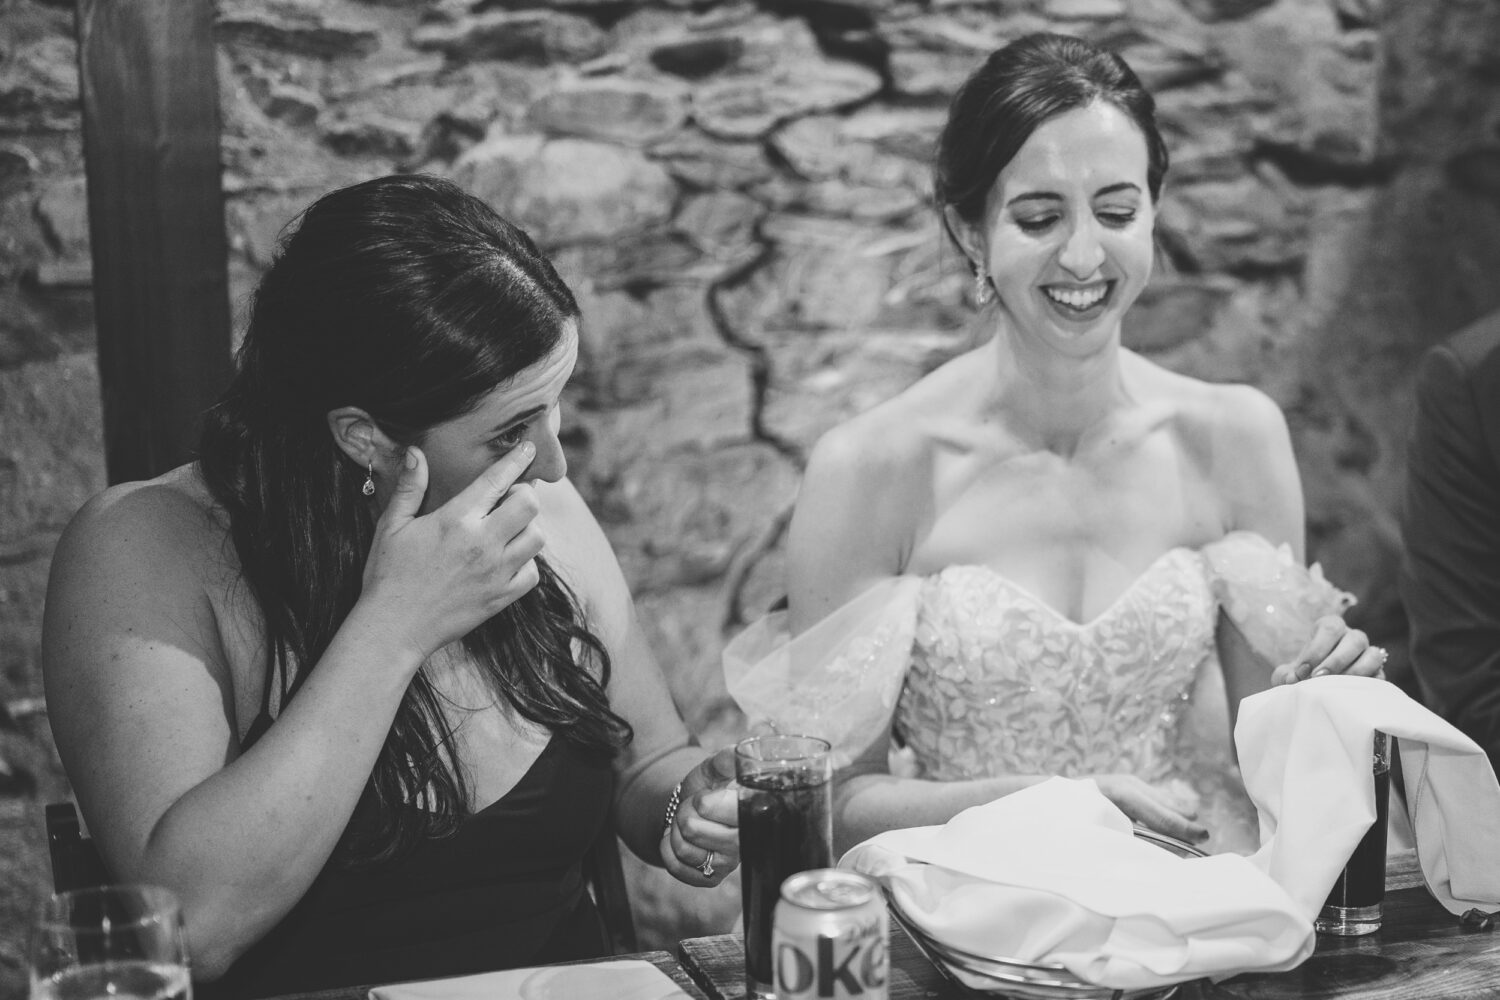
{"x":738,"y":192}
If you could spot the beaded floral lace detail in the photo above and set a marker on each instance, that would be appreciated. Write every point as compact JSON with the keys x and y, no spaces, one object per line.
{"x":985,"y":679}
{"x":1002,"y":683}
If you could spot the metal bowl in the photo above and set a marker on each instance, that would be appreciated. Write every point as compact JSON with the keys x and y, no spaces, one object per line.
{"x":1028,"y":980}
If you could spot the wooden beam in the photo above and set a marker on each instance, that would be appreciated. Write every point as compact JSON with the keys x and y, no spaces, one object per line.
{"x":156,"y":222}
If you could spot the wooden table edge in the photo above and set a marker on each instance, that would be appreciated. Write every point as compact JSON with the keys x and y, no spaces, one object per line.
{"x":1403,"y":873}
{"x":660,"y":958}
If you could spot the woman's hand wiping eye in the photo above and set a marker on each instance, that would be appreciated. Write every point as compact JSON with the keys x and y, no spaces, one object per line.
{"x":437,"y":576}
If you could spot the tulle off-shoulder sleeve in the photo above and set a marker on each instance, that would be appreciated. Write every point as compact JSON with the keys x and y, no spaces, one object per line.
{"x":1271,"y":597}
{"x":838,"y":680}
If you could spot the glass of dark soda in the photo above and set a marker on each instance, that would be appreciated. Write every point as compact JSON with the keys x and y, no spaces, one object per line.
{"x":786,"y":827}
{"x":1353,"y":906}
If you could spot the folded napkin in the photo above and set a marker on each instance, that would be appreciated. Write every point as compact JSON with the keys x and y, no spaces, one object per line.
{"x":624,"y":980}
{"x":1053,"y":874}
{"x":1305,"y":754}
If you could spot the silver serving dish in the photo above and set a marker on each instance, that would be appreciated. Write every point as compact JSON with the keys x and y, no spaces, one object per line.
{"x":1007,"y":977}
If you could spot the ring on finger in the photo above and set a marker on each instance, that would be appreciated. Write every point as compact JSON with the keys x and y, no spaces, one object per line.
{"x":707,"y":867}
{"x":1381,"y":651}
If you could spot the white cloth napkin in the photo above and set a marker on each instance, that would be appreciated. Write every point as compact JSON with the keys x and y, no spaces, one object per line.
{"x":1305,"y":754}
{"x":1053,"y":874}
{"x":624,"y":980}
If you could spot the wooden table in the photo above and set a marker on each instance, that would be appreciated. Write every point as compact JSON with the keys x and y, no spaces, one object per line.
{"x":661,"y":959}
{"x":1420,"y":953}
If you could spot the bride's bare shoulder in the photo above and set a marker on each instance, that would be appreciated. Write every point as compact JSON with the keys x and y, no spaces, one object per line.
{"x":1237,"y":437}
{"x":1213,"y":414}
{"x":898,"y":433}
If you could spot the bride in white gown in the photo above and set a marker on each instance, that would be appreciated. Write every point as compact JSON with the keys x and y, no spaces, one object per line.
{"x":1051,"y":555}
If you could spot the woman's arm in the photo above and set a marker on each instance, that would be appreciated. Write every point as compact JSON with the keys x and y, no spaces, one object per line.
{"x":141,"y":697}
{"x":869,"y":800}
{"x":853,"y":523}
{"x":1256,"y":471}
{"x":662,"y":753}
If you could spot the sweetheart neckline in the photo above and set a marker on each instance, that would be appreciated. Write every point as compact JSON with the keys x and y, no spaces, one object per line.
{"x":1052,"y":609}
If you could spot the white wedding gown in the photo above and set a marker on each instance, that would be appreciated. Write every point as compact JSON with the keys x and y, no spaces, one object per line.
{"x":978,"y":677}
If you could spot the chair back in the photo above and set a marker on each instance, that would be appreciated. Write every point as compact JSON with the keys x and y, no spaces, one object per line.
{"x":605,"y":874}
{"x":75,"y":860}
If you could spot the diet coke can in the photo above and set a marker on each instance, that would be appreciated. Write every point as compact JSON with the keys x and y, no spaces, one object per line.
{"x":830,"y":935}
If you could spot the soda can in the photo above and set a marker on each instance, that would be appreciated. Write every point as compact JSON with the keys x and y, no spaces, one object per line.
{"x":830,"y":937}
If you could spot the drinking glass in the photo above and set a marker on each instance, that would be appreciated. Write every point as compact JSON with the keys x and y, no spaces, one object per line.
{"x":113,"y":942}
{"x":1353,"y":907}
{"x":786,"y":826}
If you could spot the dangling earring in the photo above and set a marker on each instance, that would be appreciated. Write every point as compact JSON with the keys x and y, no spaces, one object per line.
{"x":983,"y":290}
{"x":368,"y":489}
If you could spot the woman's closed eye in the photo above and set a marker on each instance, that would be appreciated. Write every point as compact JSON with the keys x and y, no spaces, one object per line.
{"x":1117,"y":218}
{"x":1037,"y":223}
{"x":511,"y":437}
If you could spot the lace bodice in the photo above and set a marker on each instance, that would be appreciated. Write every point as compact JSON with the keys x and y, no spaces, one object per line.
{"x":979,"y":677}
{"x":1002,"y":683}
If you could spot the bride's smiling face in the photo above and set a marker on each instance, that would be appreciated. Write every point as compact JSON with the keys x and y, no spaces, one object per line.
{"x":1067,"y":232}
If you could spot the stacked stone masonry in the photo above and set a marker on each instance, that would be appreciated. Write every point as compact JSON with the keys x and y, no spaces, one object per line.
{"x":738,"y":192}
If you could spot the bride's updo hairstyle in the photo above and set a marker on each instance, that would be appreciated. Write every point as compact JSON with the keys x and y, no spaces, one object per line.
{"x":1017,"y":89}
{"x":411,"y":299}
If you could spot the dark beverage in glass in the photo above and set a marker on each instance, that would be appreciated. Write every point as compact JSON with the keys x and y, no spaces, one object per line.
{"x":1354,"y":905}
{"x":786,"y":827}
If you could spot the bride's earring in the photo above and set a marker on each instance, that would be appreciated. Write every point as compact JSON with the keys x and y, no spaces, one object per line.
{"x":984,"y":292}
{"x":368,"y":489}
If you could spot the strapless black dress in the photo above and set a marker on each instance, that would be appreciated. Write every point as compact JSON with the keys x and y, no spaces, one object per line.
{"x":506,"y":890}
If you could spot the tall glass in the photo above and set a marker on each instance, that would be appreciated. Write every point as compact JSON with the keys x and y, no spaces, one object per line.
{"x":114,"y":942}
{"x":786,"y":826}
{"x":1354,"y":905}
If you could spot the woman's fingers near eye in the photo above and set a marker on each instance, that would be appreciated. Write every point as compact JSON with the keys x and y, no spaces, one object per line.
{"x":528,"y":543}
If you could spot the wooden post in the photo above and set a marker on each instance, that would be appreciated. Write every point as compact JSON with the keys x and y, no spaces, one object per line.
{"x":156,"y":222}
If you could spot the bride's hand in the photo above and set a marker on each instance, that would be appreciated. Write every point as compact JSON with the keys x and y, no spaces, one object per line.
{"x":701,"y":842}
{"x":1333,"y":648}
{"x":1157,"y":808}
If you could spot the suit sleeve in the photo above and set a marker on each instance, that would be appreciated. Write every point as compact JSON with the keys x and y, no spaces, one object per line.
{"x":1450,"y":573}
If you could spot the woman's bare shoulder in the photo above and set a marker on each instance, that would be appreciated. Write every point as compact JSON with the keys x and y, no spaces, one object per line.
{"x":1237,"y":436}
{"x":1214,"y":415}
{"x":864,"y":493}
{"x":140,"y":563}
{"x":170,"y":521}
{"x":896,"y":436}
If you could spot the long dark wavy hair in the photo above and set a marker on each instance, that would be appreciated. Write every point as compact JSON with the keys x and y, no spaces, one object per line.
{"x":412,"y":300}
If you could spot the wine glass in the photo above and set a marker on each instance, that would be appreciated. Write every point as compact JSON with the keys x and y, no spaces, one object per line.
{"x":120,"y":942}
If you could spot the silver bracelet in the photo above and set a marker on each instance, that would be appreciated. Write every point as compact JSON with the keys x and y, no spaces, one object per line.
{"x":672,"y":805}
